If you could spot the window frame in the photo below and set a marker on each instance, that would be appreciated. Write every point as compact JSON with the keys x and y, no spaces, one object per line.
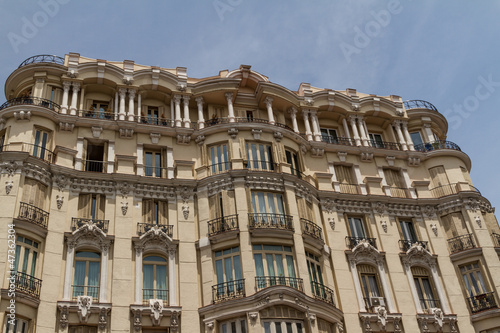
{"x":86,"y":285}
{"x":155,"y":283}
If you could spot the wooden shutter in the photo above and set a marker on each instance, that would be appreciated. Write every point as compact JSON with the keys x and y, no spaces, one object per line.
{"x":40,"y":192}
{"x":163,"y":212}
{"x":105,"y":158}
{"x":164,"y":161}
{"x":393,"y":178}
{"x":213,"y":206}
{"x":101,"y":206}
{"x":243,"y":149}
{"x":84,"y":205}
{"x":438,"y":176}
{"x":147,"y":210}
{"x":228,"y":202}
{"x":84,"y":151}
{"x":28,"y":190}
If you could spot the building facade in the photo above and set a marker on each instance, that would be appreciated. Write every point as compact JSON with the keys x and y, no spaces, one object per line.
{"x":137,"y":199}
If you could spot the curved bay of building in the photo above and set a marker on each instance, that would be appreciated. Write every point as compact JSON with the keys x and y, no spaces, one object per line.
{"x":138,"y":199}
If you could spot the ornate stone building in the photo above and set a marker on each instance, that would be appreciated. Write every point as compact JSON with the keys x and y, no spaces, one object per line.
{"x":138,"y":199}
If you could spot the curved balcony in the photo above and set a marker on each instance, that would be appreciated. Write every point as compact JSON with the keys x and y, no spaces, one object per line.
{"x":228,"y":290}
{"x":419,"y":104}
{"x":482,"y":302}
{"x":461,"y":243}
{"x":262,"y":282}
{"x":450,"y":189}
{"x":270,"y":221}
{"x":311,"y":229}
{"x":34,"y":101}
{"x":225,"y":120}
{"x":338,"y":140}
{"x":43,"y":58}
{"x":28,"y":284}
{"x":223,"y":224}
{"x":323,"y":293}
{"x":386,"y":145}
{"x":33,"y":214}
{"x":437,"y":145}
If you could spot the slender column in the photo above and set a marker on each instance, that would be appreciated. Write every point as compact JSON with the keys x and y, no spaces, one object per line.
{"x":407,"y":135}
{"x":64,"y":104}
{"x":139,"y":107}
{"x":428,"y":135}
{"x":363,"y":123}
{"x":357,"y":286}
{"x":315,"y":123}
{"x":76,"y":88}
{"x":440,"y":290}
{"x":269,"y":105}
{"x":131,"y":96}
{"x":293,"y":114}
{"x":177,"y":101}
{"x":305,"y":114}
{"x":230,"y":108}
{"x":70,"y":258}
{"x":187,"y":120}
{"x":364,"y":135}
{"x":103,"y":285}
{"x":172,"y":283}
{"x":413,"y":288}
{"x":346,"y":128}
{"x":138,"y":275}
{"x":82,"y":98}
{"x":397,"y":126}
{"x":201,"y":120}
{"x":352,"y":120}
{"x":122,"y":92}
{"x":385,"y":287}
{"x":116,"y":105}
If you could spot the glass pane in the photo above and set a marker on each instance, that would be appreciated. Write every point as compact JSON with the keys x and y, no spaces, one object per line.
{"x":237,"y":268}
{"x":228,"y":265}
{"x":33,"y":263}
{"x":416,"y":138}
{"x":157,"y":165}
{"x":279,"y":265}
{"x":224,"y":158}
{"x":279,"y":199}
{"x":277,"y":326}
{"x":219,"y":271}
{"x":262,"y":202}
{"x":263,"y":158}
{"x":373,"y":286}
{"x":161,"y":280}
{"x":148,"y":277}
{"x":25,"y":260}
{"x":481,"y":282}
{"x":259,"y":266}
{"x":290,"y":266}
{"x":267,"y":327}
{"x":270,"y":265}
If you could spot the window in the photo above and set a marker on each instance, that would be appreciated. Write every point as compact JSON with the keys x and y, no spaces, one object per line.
{"x":2,"y":140}
{"x":292,"y":159}
{"x":425,"y":289}
{"x":454,"y":225}
{"x":19,"y":326}
{"x":282,"y":319}
{"x":249,"y":114}
{"x":228,"y":271}
{"x":40,"y":147}
{"x":96,"y":155}
{"x":346,"y":180}
{"x":376,"y":140}
{"x":273,"y":265}
{"x":155,"y":211}
{"x":465,"y":173}
{"x":329,"y":135}
{"x":370,"y":284}
{"x":279,"y":326}
{"x":34,"y":193}
{"x":26,"y":255}
{"x":219,"y":161}
{"x":357,"y":228}
{"x":268,"y":208}
{"x":416,"y":138}
{"x":86,"y":278}
{"x":259,"y":156}
{"x":325,"y":327}
{"x":473,"y":279}
{"x":234,"y":326}
{"x":395,"y":182}
{"x":154,"y":280}
{"x":408,"y":231}
{"x":441,"y":184}
{"x":91,"y":206}
{"x":153,"y":115}
{"x":315,"y":275}
{"x":99,"y":109}
{"x":221,"y":204}
{"x":152,"y":164}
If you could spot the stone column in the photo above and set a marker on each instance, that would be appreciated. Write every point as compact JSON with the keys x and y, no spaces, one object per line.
{"x":315,"y":123}
{"x":122,"y":92}
{"x":230,"y":109}
{"x":138,"y":275}
{"x":407,"y":135}
{"x":293,"y":115}
{"x":397,"y":127}
{"x":385,"y":287}
{"x":352,"y":120}
{"x":64,"y":104}
{"x":74,"y":97}
{"x":70,"y":258}
{"x":364,"y":135}
{"x":117,"y":101}
{"x":357,"y":286}
{"x":346,"y":128}
{"x":269,"y":105}
{"x":178,"y":119}
{"x":305,"y":113}
{"x":131,"y":96}
{"x":440,"y":290}
{"x":172,"y":283}
{"x":139,"y":107}
{"x":103,"y":284}
{"x":201,"y":120}
{"x":186,"y":120}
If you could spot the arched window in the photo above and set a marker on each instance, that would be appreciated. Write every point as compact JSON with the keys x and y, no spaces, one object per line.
{"x":425,"y":288}
{"x":86,"y":277}
{"x":370,"y":283}
{"x":154,"y":270}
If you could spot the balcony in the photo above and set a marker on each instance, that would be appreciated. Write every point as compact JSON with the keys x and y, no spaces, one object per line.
{"x":142,"y":228}
{"x":449,"y":189}
{"x":372,"y":302}
{"x":323,"y":293}
{"x":461,"y":243}
{"x":33,"y":214}
{"x":155,"y":121}
{"x":261,"y":165}
{"x":419,"y":104}
{"x":223,"y":224}
{"x":158,"y":172}
{"x":43,"y":58}
{"x":262,"y":282}
{"x":437,"y":145}
{"x":351,"y":242}
{"x":398,"y":192}
{"x":217,"y":168}
{"x":496,"y":239}
{"x":217,"y":121}
{"x":34,"y":101}
{"x":28,"y":284}
{"x":95,"y":166}
{"x":92,"y":291}
{"x":78,"y":222}
{"x":228,"y":290}
{"x":33,"y":150}
{"x":148,"y":294}
{"x":338,"y":140}
{"x":386,"y":145}
{"x":270,"y":221}
{"x":349,"y":188}
{"x":311,"y":229}
{"x":482,"y":302}
{"x":405,"y":245}
{"x":96,"y":114}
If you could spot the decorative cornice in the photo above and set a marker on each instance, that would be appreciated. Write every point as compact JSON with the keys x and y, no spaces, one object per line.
{"x":265,"y":183}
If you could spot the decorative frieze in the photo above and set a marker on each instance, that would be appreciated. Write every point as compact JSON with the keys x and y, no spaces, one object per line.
{"x":154,"y":191}
{"x":126,"y":133}
{"x":265,"y":183}
{"x":221,"y":184}
{"x":88,"y":185}
{"x":65,"y":126}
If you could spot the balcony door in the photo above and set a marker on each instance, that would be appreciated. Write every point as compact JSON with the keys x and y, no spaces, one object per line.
{"x":41,"y":143}
{"x":228,"y":271}
{"x":473,"y":279}
{"x":86,"y":278}
{"x":154,"y":278}
{"x":274,"y":262}
{"x":34,"y":193}
{"x":408,"y":231}
{"x":26,"y":256}
{"x":96,"y":156}
{"x":315,"y":275}
{"x":357,"y":228}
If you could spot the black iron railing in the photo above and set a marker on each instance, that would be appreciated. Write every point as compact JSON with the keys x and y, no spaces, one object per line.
{"x":386,"y":145}
{"x":449,"y":189}
{"x":349,"y":188}
{"x":437,"y":145}
{"x":270,"y":221}
{"x":338,"y":140}
{"x":405,"y":245}
{"x":225,"y":120}
{"x":32,"y":149}
{"x":262,"y":282}
{"x":78,"y":222}
{"x":28,"y":284}
{"x":151,"y":171}
{"x":216,"y":121}
{"x":161,"y":294}
{"x":221,"y":167}
{"x":426,"y":303}
{"x":223,"y":224}
{"x":312,"y":229}
{"x":92,"y":291}
{"x":496,"y":239}
{"x":33,"y":214}
{"x":142,"y":228}
{"x":261,"y":165}
{"x":419,"y":104}
{"x":351,"y":242}
{"x":155,"y":121}
{"x":35,"y":101}
{"x":96,"y":114}
{"x":482,"y":302}
{"x":460,"y":243}
{"x":323,"y":293}
{"x":46,"y":58}
{"x":228,"y":290}
{"x":95,"y":166}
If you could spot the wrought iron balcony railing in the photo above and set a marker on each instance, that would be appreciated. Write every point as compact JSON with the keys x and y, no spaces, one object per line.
{"x":482,"y":302}
{"x":323,"y":293}
{"x":155,"y":121}
{"x":223,"y":224}
{"x":404,"y":244}
{"x":28,"y":284}
{"x":427,"y":303}
{"x":95,"y":166}
{"x":78,"y":222}
{"x":496,"y":239}
{"x":148,"y":294}
{"x":351,"y":242}
{"x":216,"y":168}
{"x":461,"y":243}
{"x":33,"y":214}
{"x":386,"y":145}
{"x":32,"y":149}
{"x":228,"y":290}
{"x":92,"y":291}
{"x":262,"y":282}
{"x":270,"y":221}
{"x":225,"y":120}
{"x":261,"y":165}
{"x":142,"y":228}
{"x":96,"y":114}
{"x":311,"y":229}
{"x":419,"y":104}
{"x":449,"y":189}
{"x":437,"y":145}
{"x":43,"y":58}
{"x":35,"y":101}
{"x":338,"y":140}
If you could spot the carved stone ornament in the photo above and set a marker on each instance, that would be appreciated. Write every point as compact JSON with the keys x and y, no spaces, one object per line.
{"x":331,"y":220}
{"x":328,"y":205}
{"x":381,"y":316}
{"x":413,"y":161}
{"x":438,"y":317}
{"x":63,"y":316}
{"x":256,"y":133}
{"x":103,"y":318}
{"x":156,"y":306}
{"x":390,"y":160}
{"x":210,"y":325}
{"x":155,"y":138}
{"x":200,"y":140}
{"x":22,"y":115}
{"x":317,"y":152}
{"x":312,"y":317}
{"x":126,"y":133}
{"x":232,"y":132}
{"x":278,"y":136}
{"x":478,"y":221}
{"x":303,"y":149}
{"x":65,"y":126}
{"x":183,"y":139}
{"x":185,"y":210}
{"x":366,"y":157}
{"x":383,"y":223}
{"x":8,"y":186}
{"x":10,"y":168}
{"x":434,"y":229}
{"x":96,"y":131}
{"x":174,"y":320}
{"x":253,"y":316}
{"x":124,"y":207}
{"x":137,"y":320}
{"x":342,"y":156}
{"x":59,"y":201}
{"x":84,"y":303}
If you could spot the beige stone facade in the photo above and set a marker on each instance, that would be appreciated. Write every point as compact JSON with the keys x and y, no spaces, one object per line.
{"x":138,"y":199}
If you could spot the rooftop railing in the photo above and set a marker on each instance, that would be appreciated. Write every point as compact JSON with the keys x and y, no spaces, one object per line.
{"x":33,"y":214}
{"x":437,"y":145}
{"x":419,"y":104}
{"x":36,"y":101}
{"x":461,"y":243}
{"x":43,"y":58}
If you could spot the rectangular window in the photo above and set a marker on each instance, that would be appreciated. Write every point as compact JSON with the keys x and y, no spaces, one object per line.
{"x":219,"y":159}
{"x":19,"y":326}
{"x":345,"y":178}
{"x":376,"y":140}
{"x":41,"y":145}
{"x":329,"y":135}
{"x":228,"y":271}
{"x":82,"y":329}
{"x":153,"y":116}
{"x":440,"y":184}
{"x":86,"y":274}
{"x":425,"y":289}
{"x":34,"y":193}
{"x":259,"y":156}
{"x":95,"y":156}
{"x":395,"y":182}
{"x":155,"y":211}
{"x":91,"y":206}
{"x":416,"y":138}
{"x":274,"y":265}
{"x":154,"y":278}
{"x":357,"y":228}
{"x":153,"y":164}
{"x":100,"y":110}
{"x":234,"y":326}
{"x":26,"y":256}
{"x":292,"y":159}
{"x":408,"y":231}
{"x":473,"y":279}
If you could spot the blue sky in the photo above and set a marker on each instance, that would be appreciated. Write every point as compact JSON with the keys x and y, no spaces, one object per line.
{"x":446,"y":52}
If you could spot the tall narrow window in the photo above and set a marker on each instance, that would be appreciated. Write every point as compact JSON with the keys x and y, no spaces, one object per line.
{"x":274,"y":264}
{"x":479,"y":295}
{"x":2,"y":141}
{"x":425,"y":288}
{"x":155,"y":211}
{"x":293,"y":160}
{"x":345,"y":178}
{"x":260,"y":156}
{"x":95,"y":154}
{"x":315,"y":275}
{"x":26,"y":256}
{"x":154,"y":278}
{"x":153,"y":116}
{"x":152,"y":164}
{"x":98,"y":109}
{"x":234,"y":326}
{"x":34,"y":193}
{"x":416,"y":138}
{"x":376,"y":140}
{"x":371,"y":285}
{"x":40,"y":147}
{"x":395,"y":182}
{"x":16,"y":326}
{"x":441,"y":184}
{"x":219,"y":160}
{"x":228,"y":271}
{"x":408,"y":231}
{"x":91,"y":206}
{"x":357,"y":228}
{"x":86,"y":277}
{"x":329,"y":135}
